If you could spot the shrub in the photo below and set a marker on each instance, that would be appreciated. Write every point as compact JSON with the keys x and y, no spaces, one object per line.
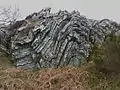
{"x":107,"y":55}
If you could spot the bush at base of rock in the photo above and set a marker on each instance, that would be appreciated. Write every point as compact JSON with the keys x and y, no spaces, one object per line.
{"x":107,"y":55}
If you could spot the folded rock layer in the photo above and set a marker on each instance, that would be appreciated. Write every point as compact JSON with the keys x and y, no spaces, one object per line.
{"x":45,"y":39}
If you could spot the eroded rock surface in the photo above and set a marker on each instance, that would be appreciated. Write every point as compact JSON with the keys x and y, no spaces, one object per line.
{"x":46,"y":39}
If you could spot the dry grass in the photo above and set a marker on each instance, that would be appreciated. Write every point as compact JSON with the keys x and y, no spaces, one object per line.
{"x":85,"y":78}
{"x":45,"y":79}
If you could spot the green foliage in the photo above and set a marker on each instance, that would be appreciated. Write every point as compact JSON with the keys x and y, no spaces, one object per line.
{"x":107,"y":55}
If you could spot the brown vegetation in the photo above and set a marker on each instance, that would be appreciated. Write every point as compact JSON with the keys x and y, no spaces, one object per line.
{"x":45,"y":79}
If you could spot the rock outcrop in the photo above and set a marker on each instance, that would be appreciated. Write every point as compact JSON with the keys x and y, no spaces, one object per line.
{"x":46,"y":39}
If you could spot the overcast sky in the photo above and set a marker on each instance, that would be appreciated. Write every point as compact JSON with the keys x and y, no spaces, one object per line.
{"x":96,"y":9}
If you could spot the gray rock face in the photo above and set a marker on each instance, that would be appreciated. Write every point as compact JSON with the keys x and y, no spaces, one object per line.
{"x":4,"y":39}
{"x":61,"y":39}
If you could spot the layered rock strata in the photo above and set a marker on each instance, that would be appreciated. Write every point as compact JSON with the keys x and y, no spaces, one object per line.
{"x":46,"y":39}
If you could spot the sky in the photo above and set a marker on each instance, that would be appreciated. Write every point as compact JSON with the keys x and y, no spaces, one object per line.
{"x":95,"y":9}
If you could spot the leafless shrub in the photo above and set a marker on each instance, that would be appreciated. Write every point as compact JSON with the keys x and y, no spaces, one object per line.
{"x":9,"y":16}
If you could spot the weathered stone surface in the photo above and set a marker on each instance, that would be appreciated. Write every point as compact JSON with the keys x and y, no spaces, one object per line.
{"x":46,"y":39}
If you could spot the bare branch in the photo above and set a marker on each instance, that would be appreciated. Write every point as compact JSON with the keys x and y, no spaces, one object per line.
{"x":8,"y":17}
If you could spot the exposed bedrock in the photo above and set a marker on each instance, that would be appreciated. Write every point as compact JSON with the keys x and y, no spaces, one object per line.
{"x":46,"y":39}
